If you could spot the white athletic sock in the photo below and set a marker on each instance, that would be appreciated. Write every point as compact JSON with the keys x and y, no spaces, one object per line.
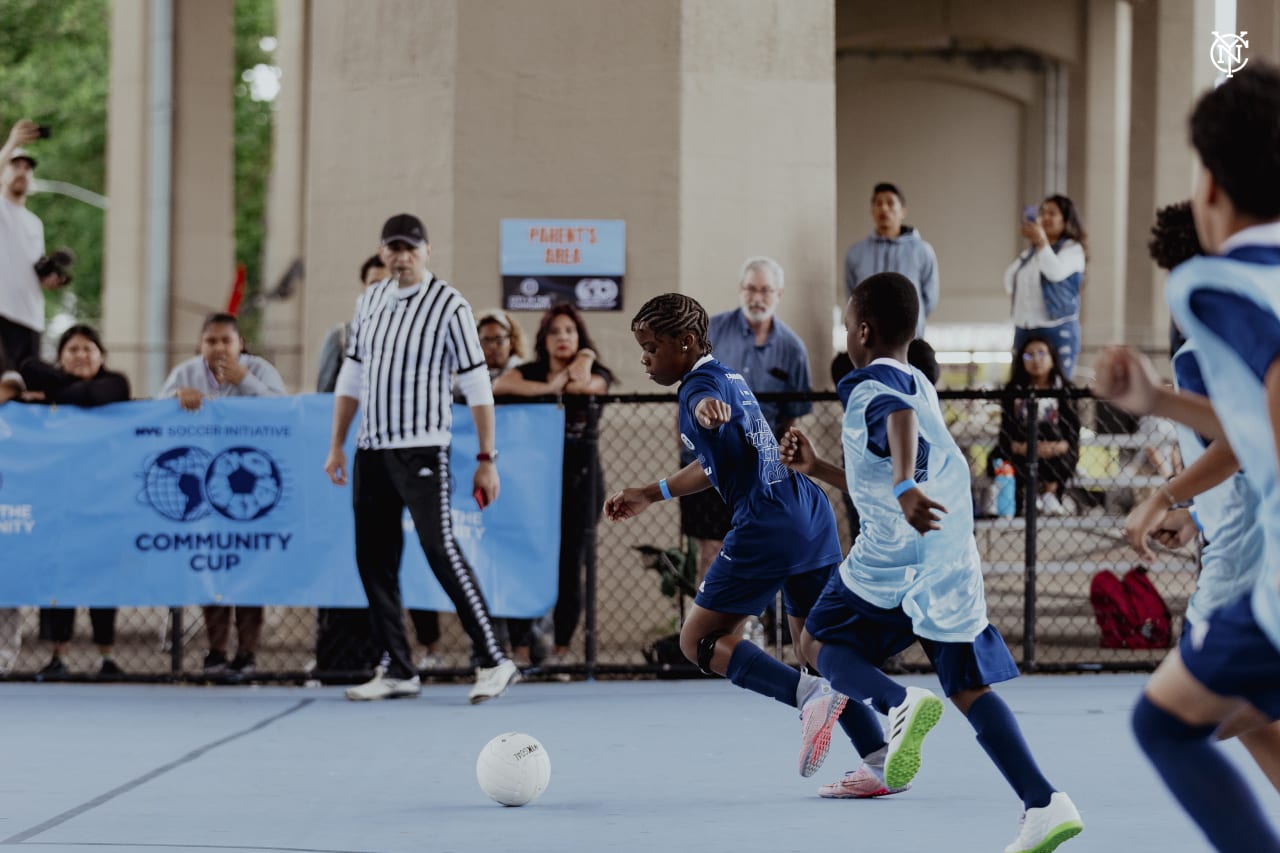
{"x":809,"y":686}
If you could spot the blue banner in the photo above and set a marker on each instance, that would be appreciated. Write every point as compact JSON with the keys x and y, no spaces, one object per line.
{"x":144,"y":504}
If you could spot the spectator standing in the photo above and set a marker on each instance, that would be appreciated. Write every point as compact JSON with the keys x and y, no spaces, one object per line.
{"x":894,"y":247}
{"x":335,"y":343}
{"x":1036,"y":366}
{"x":409,"y":336}
{"x":565,"y":363}
{"x":1044,"y":281}
{"x":502,"y":340}
{"x":80,"y":378}
{"x":225,"y":369}
{"x":21,"y":246}
{"x":11,"y":386}
{"x":772,"y":359}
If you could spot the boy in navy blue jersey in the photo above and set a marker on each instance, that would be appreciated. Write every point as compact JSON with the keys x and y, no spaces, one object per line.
{"x":1224,"y":677}
{"x":914,"y":573}
{"x":783,"y":534}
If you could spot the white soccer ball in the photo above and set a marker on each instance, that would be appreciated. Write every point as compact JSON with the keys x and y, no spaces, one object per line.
{"x":513,"y":769}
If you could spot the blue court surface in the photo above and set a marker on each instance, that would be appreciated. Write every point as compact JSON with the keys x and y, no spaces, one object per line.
{"x":636,"y":766}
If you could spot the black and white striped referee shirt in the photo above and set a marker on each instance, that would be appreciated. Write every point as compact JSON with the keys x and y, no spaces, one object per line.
{"x":408,"y":343}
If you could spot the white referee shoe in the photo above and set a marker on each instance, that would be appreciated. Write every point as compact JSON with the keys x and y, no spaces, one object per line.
{"x":493,"y":681}
{"x":380,"y":687}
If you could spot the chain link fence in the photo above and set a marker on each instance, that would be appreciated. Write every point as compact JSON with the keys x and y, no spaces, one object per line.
{"x":1038,"y":562}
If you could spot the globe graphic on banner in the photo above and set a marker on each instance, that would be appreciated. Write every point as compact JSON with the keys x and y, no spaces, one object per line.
{"x":175,"y":483}
{"x":243,"y":483}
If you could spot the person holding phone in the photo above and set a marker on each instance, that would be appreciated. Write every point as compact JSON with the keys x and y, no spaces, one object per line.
{"x":21,"y":248}
{"x":1045,"y":280}
{"x":565,"y":363}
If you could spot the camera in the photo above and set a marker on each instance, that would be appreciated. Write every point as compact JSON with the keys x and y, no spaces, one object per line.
{"x":58,"y":262}
{"x":43,"y":131}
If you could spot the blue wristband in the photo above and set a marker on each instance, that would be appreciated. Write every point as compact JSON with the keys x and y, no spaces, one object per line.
{"x":903,"y":487}
{"x":666,"y":492}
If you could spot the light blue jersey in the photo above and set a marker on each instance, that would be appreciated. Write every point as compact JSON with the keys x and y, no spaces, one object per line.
{"x":1230,"y":307}
{"x":1227,"y":514}
{"x":935,"y":578}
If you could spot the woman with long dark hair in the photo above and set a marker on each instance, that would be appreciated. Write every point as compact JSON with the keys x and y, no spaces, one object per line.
{"x":1044,"y":282}
{"x":79,"y":378}
{"x":565,"y":363}
{"x":1036,"y":366}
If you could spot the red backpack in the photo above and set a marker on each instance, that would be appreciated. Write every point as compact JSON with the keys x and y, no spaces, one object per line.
{"x":1130,"y":612}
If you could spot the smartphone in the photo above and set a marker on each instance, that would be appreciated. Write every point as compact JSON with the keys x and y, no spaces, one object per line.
{"x":44,"y":131}
{"x":481,"y":501}
{"x":1030,"y":213}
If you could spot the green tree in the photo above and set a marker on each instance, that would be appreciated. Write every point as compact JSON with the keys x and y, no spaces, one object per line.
{"x":255,"y":22}
{"x":54,"y":68}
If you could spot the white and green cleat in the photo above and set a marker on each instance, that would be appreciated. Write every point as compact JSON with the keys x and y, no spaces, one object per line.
{"x":908,"y":724}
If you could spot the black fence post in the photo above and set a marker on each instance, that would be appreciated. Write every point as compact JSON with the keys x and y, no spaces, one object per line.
{"x":592,"y":437}
{"x":1029,"y":517}
{"x":175,"y":641}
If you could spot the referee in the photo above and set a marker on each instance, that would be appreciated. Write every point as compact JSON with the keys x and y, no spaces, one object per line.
{"x":410,"y":334}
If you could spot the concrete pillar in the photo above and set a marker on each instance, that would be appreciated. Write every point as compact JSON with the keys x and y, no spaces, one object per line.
{"x":203,"y":216}
{"x":1171,"y":61}
{"x":287,"y":199}
{"x":1108,"y":34}
{"x":1261,"y":19}
{"x":124,"y":294}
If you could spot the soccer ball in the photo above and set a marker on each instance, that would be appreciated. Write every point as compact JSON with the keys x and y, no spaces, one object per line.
{"x":513,"y":769}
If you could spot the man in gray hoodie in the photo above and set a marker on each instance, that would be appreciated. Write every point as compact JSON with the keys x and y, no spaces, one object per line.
{"x":894,"y":247}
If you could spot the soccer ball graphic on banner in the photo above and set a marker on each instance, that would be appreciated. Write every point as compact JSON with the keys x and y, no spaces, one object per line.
{"x":513,"y":769}
{"x":243,"y":483}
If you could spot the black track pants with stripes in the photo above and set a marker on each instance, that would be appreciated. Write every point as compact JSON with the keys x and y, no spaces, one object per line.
{"x":384,"y":482}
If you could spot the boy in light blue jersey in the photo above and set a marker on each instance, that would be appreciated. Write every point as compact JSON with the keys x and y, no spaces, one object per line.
{"x":783,"y":535}
{"x":1224,"y":677}
{"x":914,"y":574}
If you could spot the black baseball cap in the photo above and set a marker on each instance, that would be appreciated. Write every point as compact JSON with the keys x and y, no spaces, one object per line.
{"x":404,"y":227}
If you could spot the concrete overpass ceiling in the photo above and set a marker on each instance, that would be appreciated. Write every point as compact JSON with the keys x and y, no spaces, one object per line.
{"x":1004,"y":32}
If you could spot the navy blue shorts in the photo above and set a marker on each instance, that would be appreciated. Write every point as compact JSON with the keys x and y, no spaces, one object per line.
{"x":842,"y":617}
{"x":725,"y":592}
{"x":1229,"y":654}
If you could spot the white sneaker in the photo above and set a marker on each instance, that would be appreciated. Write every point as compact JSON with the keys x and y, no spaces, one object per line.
{"x":493,"y":681}
{"x":380,"y":687}
{"x":1042,"y":830}
{"x":908,"y":724}
{"x":1049,"y":504}
{"x":432,"y":661}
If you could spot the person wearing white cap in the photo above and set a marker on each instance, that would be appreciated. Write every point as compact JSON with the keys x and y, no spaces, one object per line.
{"x":21,"y":246}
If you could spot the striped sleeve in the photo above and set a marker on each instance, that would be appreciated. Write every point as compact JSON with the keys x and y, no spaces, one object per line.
{"x":464,"y":340}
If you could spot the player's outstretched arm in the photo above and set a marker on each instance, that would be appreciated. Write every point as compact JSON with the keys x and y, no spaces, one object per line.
{"x":629,"y":503}
{"x":921,"y":512}
{"x":1129,"y":380}
{"x":1150,"y":517}
{"x":797,"y":453}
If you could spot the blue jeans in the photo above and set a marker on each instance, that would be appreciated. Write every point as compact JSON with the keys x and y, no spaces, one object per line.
{"x":1064,"y":337}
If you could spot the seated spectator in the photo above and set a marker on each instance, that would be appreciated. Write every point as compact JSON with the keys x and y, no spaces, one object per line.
{"x":224,"y":369}
{"x":1036,"y":365}
{"x":565,"y":363}
{"x":79,"y":378}
{"x":11,"y":383}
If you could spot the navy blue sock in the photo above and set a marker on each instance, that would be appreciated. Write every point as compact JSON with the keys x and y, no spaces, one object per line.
{"x":856,"y":678}
{"x":752,"y":668}
{"x":863,"y":727}
{"x":1001,"y":737}
{"x":1202,"y":780}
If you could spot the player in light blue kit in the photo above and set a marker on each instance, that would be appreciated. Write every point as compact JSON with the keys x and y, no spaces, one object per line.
{"x":1224,"y":677}
{"x":783,"y":535}
{"x":914,"y":573}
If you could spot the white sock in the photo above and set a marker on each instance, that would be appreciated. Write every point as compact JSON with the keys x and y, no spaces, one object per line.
{"x":875,"y":762}
{"x":809,"y":686}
